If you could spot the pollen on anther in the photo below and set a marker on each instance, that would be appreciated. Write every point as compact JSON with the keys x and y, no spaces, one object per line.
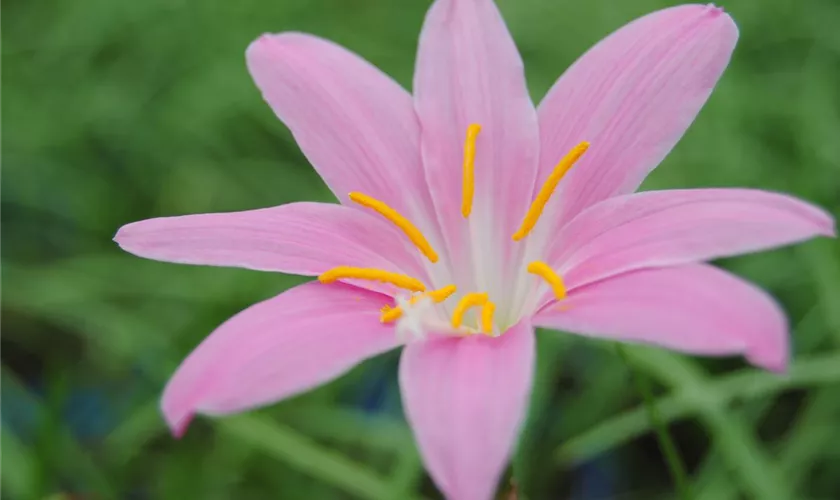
{"x":554,"y":280}
{"x":467,"y":301}
{"x":390,"y":314}
{"x":547,"y":189}
{"x":468,"y":188}
{"x":405,"y":225}
{"x":371,"y":274}
{"x":487,"y":311}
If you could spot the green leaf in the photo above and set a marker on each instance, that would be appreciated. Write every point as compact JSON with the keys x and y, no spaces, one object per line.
{"x":685,"y":402}
{"x":66,"y":458}
{"x":296,"y":451}
{"x":18,"y":467}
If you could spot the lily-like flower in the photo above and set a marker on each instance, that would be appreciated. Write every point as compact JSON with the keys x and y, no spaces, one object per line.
{"x":468,"y":217}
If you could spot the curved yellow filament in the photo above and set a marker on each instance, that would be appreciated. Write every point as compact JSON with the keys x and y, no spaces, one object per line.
{"x":468,"y":188}
{"x":390,"y":314}
{"x":364,"y":273}
{"x":545,"y":272}
{"x":467,"y":301}
{"x":398,"y":220}
{"x":547,"y":190}
{"x":487,"y":312}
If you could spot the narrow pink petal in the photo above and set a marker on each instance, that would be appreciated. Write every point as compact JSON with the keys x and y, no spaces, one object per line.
{"x":356,"y":125}
{"x":632,"y":96}
{"x":298,"y":238}
{"x":695,"y":308}
{"x":661,"y":228}
{"x":465,"y":399}
{"x":469,"y":71}
{"x":276,"y":349}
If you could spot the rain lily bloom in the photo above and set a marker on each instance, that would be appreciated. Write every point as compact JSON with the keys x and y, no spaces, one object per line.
{"x":468,"y":217}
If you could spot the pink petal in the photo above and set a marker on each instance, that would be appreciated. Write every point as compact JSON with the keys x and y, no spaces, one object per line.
{"x":275,"y":349}
{"x":354,"y":123}
{"x":632,"y":96}
{"x":661,"y":228}
{"x":298,"y":238}
{"x":694,"y":308}
{"x":469,"y":71}
{"x":465,"y":399}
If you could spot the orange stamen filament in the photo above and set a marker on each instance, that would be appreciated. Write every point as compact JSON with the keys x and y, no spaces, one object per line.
{"x":547,"y":189}
{"x":398,"y":220}
{"x":468,"y":188}
{"x":467,"y":301}
{"x":545,"y":272}
{"x":363,"y":273}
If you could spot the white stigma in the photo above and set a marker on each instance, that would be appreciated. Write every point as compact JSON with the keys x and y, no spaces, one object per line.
{"x":412,"y":325}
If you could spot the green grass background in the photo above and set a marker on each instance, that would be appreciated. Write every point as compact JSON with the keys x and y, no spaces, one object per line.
{"x":116,"y":111}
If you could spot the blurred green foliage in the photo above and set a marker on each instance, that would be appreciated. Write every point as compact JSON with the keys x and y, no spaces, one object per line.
{"x":117,"y":111}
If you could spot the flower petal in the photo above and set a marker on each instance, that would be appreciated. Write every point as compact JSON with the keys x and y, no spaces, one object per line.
{"x":356,"y":125}
{"x":469,"y":71}
{"x":661,"y":228}
{"x":632,"y":96}
{"x":298,"y":238}
{"x":694,"y":308}
{"x":277,"y":348}
{"x":465,"y":398}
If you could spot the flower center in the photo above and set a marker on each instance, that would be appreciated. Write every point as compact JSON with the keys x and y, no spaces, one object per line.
{"x":416,"y":311}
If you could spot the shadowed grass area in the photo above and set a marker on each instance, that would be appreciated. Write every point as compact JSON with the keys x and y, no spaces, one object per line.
{"x":118,"y":111}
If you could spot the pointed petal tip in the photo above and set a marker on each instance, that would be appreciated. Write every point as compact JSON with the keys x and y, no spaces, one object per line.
{"x":177,"y":417}
{"x":123,"y":236}
{"x":824,"y":222}
{"x":829,"y":229}
{"x":179,"y":427}
{"x":261,"y":42}
{"x":722,"y":17}
{"x":130,"y":237}
{"x":714,"y":9}
{"x":275,"y":41}
{"x":773,"y":356}
{"x":262,"y":46}
{"x":717,"y":15}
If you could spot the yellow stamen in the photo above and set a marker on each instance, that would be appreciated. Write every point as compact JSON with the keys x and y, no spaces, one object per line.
{"x":363,"y":273}
{"x":545,"y":272}
{"x":390,"y":314}
{"x":441,"y":294}
{"x":487,"y":317}
{"x":468,"y":188}
{"x":467,"y":301}
{"x":398,"y":220}
{"x":547,"y":190}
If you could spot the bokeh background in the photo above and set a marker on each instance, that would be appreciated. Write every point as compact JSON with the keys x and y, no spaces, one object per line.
{"x":117,"y":111}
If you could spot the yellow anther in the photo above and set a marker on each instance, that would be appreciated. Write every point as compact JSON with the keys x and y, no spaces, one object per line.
{"x":441,"y":294}
{"x":364,"y":273}
{"x":487,"y":317}
{"x":398,"y":220}
{"x":467,"y":301}
{"x":390,"y":314}
{"x":547,"y":190}
{"x":468,"y":188}
{"x":545,"y":272}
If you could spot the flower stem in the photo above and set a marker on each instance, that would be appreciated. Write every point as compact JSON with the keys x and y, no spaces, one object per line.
{"x":666,"y":444}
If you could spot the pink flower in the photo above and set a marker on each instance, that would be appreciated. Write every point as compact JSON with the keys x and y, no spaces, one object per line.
{"x":452,"y":240}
